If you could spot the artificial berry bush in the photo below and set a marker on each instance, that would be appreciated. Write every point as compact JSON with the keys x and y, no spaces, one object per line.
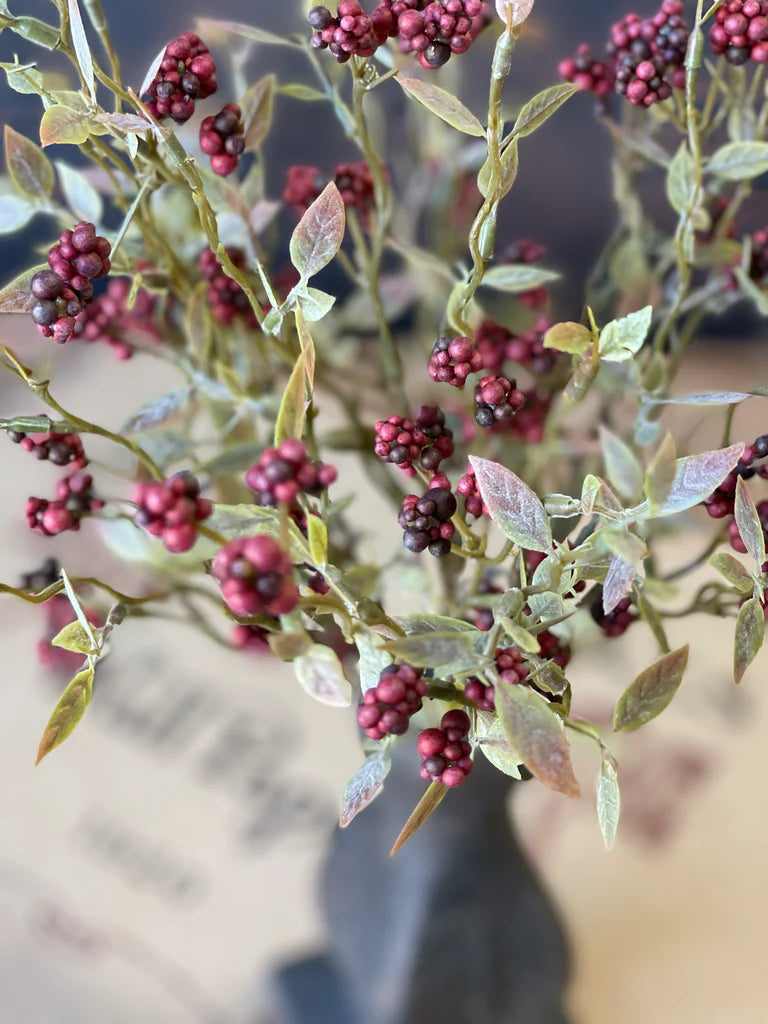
{"x":328,"y":324}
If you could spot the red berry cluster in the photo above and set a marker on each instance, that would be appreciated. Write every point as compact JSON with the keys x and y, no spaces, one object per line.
{"x":616,"y":622}
{"x":445,"y":752}
{"x":441,"y":29}
{"x":529,"y":423}
{"x":169,"y":509}
{"x":427,"y":521}
{"x":473,"y":502}
{"x":222,"y":138}
{"x":250,"y":638}
{"x":74,"y":500}
{"x":497,"y":399}
{"x":401,"y":441}
{"x":721,"y":502}
{"x":758,"y":265}
{"x":352,"y":32}
{"x":588,"y":72}
{"x":526,"y":251}
{"x":354,"y":182}
{"x":226,"y":298}
{"x":256,"y":576}
{"x":740,"y":31}
{"x":453,"y":360}
{"x":285,"y":472}
{"x":187,"y":73}
{"x":650,"y":53}
{"x":495,"y":344}
{"x":60,"y":449}
{"x":303,"y":186}
{"x":109,"y":319}
{"x":388,"y":707}
{"x":552,"y":648}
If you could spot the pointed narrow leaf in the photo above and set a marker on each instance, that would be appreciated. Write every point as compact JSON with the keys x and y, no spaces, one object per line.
{"x":608,"y":802}
{"x":293,"y":408}
{"x":696,"y":476}
{"x":213,"y":28}
{"x":30,"y":169}
{"x":512,"y":505}
{"x":750,"y":633}
{"x":737,"y":161}
{"x":536,"y":733}
{"x":420,"y":813}
{"x":442,"y":103}
{"x":651,"y":691}
{"x":74,"y":600}
{"x":660,"y":475}
{"x":74,"y":638}
{"x":539,"y":109}
{"x":736,"y":574}
{"x":321,"y":675}
{"x":256,"y":105}
{"x":621,"y":464}
{"x":373,"y":659}
{"x":748,"y":522}
{"x":364,"y":786}
{"x":517,"y":277}
{"x":680,"y":179}
{"x":81,"y":47}
{"x":82,"y":198}
{"x":493,"y":742}
{"x":319,"y":233}
{"x":152,"y":70}
{"x":67,"y":712}
{"x":618,"y":583}
{"x":317,"y":535}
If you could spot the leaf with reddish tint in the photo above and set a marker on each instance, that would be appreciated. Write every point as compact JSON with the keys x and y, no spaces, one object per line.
{"x":536,"y":733}
{"x":256,"y":105}
{"x":651,"y":692}
{"x":748,"y":522}
{"x":319,"y":233}
{"x":618,"y":583}
{"x":512,"y":505}
{"x":420,"y":813}
{"x":750,"y":633}
{"x":364,"y":786}
{"x":442,"y":103}
{"x":621,"y":464}
{"x":67,"y":713}
{"x":696,"y":476}
{"x":60,"y":125}
{"x":608,"y":801}
{"x":30,"y":169}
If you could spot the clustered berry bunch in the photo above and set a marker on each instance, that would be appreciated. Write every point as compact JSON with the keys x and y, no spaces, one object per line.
{"x":445,"y":752}
{"x":110,"y":319}
{"x":426,"y":440}
{"x":427,"y":521}
{"x":256,"y":576}
{"x":615,"y":622}
{"x":353,"y":180}
{"x":497,"y":399}
{"x":60,"y":449}
{"x":283,"y":473}
{"x":226,"y":299}
{"x":453,"y":360}
{"x":171,"y":509}
{"x":222,"y":138}
{"x":740,"y":32}
{"x":74,"y":500}
{"x":388,"y":707}
{"x":187,"y":73}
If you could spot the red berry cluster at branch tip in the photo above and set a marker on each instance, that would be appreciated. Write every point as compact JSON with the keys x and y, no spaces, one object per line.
{"x":445,"y":752}
{"x":170,"y":509}
{"x":107,"y":318}
{"x":256,"y":576}
{"x":473,"y":502}
{"x":495,"y":344}
{"x":222,"y":138}
{"x":740,"y":31}
{"x":388,"y":707}
{"x":285,"y":472}
{"x":616,"y":622}
{"x":250,"y":638}
{"x":588,"y":72}
{"x":733,"y":530}
{"x":440,"y":30}
{"x":427,"y":521}
{"x":721,"y":502}
{"x":353,"y":180}
{"x":402,"y":442}
{"x":453,"y":360}
{"x":650,"y":54}
{"x":511,"y":668}
{"x":74,"y":500}
{"x":496,"y":399}
{"x":187,"y":73}
{"x":303,"y":186}
{"x":552,"y":648}
{"x":60,"y":449}
{"x":352,"y":33}
{"x":226,"y":298}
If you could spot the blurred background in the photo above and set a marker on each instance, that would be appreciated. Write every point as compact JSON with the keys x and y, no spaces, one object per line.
{"x":165,"y":862}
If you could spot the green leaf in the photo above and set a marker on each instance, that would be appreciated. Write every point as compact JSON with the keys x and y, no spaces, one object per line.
{"x":321,"y":675}
{"x":696,"y":476}
{"x":568,"y":337}
{"x":289,"y":646}
{"x":16,"y":297}
{"x":29,"y":167}
{"x":67,"y":712}
{"x":424,"y":622}
{"x":512,"y":505}
{"x":213,"y":29}
{"x":660,"y":475}
{"x":509,"y":166}
{"x":750,"y":633}
{"x":738,"y":161}
{"x":15,"y":212}
{"x":319,"y":233}
{"x":517,"y":277}
{"x":74,"y":638}
{"x":364,"y":786}
{"x":373,"y":659}
{"x":420,"y":813}
{"x":80,"y":195}
{"x":62,"y":125}
{"x":256,"y":105}
{"x":651,"y":691}
{"x":37,"y":32}
{"x":81,"y":47}
{"x":444,"y":104}
{"x":621,"y":464}
{"x":74,"y":600}
{"x":317,"y":535}
{"x":621,"y":339}
{"x":748,"y":522}
{"x":299,"y":91}
{"x":157,"y":411}
{"x":445,"y":652}
{"x":680,"y":179}
{"x":608,"y":802}
{"x":25,"y":79}
{"x":493,"y":742}
{"x":233,"y":521}
{"x":618,"y":583}
{"x":520,"y":637}
{"x":315,"y":304}
{"x":293,"y":408}
{"x":543,"y":105}
{"x":732,"y":569}
{"x":536,"y":733}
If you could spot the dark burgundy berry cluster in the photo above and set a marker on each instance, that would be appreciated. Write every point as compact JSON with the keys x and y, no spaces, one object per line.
{"x":588,"y":72}
{"x":758,"y":266}
{"x":170,"y":509}
{"x":388,"y":707}
{"x":226,"y":299}
{"x":453,"y":360}
{"x":446,"y":752}
{"x":222,"y":138}
{"x":285,"y":472}
{"x":721,"y":502}
{"x":256,"y":576}
{"x":473,"y":502}
{"x":616,"y":622}
{"x":650,"y":54}
{"x":74,"y":500}
{"x":511,"y":668}
{"x":439,"y":30}
{"x":733,"y":530}
{"x":497,"y":399}
{"x":352,"y":32}
{"x":353,"y":180}
{"x":303,"y":186}
{"x":740,"y":31}
{"x":427,"y":521}
{"x":108,"y":318}
{"x":60,"y":449}
{"x":187,"y":73}
{"x":426,"y":439}
{"x":552,"y":648}
{"x":495,"y":344}
{"x":524,"y":250}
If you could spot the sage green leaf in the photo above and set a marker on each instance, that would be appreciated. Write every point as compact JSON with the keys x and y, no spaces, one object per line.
{"x":509,"y":166}
{"x":512,"y":505}
{"x":608,"y":802}
{"x":257,"y":105}
{"x":519,"y":636}
{"x":80,"y":195}
{"x":213,"y":29}
{"x":61,"y":125}
{"x":492,"y":741}
{"x":750,"y":633}
{"x":621,"y":339}
{"x":289,"y":646}
{"x":424,"y":622}
{"x":621,"y":464}
{"x":74,"y":638}
{"x":543,"y":105}
{"x":319,"y":233}
{"x":293,"y":407}
{"x":536,"y":733}
{"x":660,"y":475}
{"x":568,"y":337}
{"x":739,"y":161}
{"x":444,"y":104}
{"x":748,"y":522}
{"x":752,"y":290}
{"x":364,"y":786}
{"x":299,"y":91}
{"x":159,"y":410}
{"x":651,"y":692}
{"x":15,"y":212}
{"x":77,"y":607}
{"x":680,"y":179}
{"x":25,"y":79}
{"x":517,"y":277}
{"x":81,"y":47}
{"x":317,"y":537}
{"x":736,"y":574}
{"x":152,"y":71}
{"x":315,"y":304}
{"x":233,"y":521}
{"x":420,"y":813}
{"x":29,"y":167}
{"x":696,"y":476}
{"x":448,"y":653}
{"x":373,"y":659}
{"x":618,"y":583}
{"x":321,"y":675}
{"x":37,"y":32}
{"x":67,"y":713}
